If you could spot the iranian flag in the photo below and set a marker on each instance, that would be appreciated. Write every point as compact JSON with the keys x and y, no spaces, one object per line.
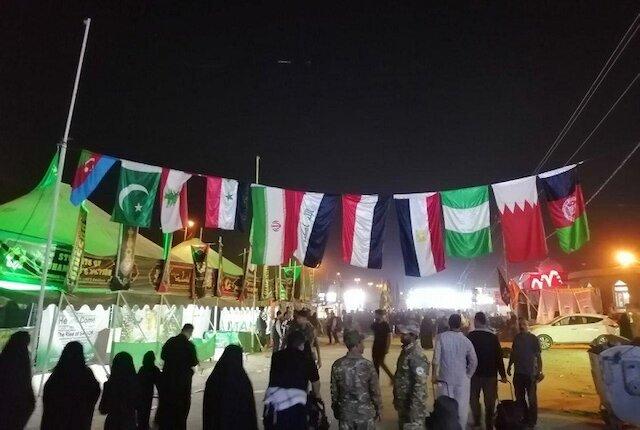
{"x":137,"y":188}
{"x":286,"y":221}
{"x":521,"y":219}
{"x":174,"y":213}
{"x":274,"y":226}
{"x":566,"y":207}
{"x":466,"y":221}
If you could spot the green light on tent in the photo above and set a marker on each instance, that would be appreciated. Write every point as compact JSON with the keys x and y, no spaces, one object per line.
{"x":20,"y":286}
{"x":11,"y":263}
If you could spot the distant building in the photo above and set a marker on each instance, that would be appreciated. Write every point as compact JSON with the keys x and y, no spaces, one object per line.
{"x":618,"y":286}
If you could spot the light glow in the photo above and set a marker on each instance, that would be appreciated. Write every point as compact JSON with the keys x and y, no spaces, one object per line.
{"x":331,"y":297}
{"x":439,"y":298}
{"x":625,"y":258}
{"x":354,"y":299}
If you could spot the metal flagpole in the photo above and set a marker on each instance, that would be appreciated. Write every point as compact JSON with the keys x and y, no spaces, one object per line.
{"x":253,"y":337}
{"x":56,"y":192}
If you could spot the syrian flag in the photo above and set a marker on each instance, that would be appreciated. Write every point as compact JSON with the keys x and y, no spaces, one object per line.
{"x":92,"y":167}
{"x":566,"y":207}
{"x":174,"y":212}
{"x":521,"y":219}
{"x":363,"y":221}
{"x":227,"y":201}
{"x":420,"y":233}
{"x":316,"y":214}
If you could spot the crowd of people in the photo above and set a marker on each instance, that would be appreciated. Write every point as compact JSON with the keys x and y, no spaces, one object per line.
{"x":467,"y":363}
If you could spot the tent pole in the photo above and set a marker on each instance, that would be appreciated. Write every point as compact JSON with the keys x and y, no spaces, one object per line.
{"x":56,"y":190}
{"x":215,"y":316}
{"x":54,"y":324}
{"x":112,"y":323}
{"x":159,"y":323}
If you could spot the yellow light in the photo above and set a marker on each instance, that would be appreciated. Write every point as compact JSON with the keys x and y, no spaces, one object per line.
{"x":191,"y":223}
{"x":625,"y":258}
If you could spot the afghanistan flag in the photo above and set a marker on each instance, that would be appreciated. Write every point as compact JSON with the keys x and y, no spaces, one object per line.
{"x":137,"y":190}
{"x":566,"y":207}
{"x":466,"y":221}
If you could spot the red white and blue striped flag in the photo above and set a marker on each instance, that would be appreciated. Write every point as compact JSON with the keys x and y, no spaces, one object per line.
{"x":363,"y":222}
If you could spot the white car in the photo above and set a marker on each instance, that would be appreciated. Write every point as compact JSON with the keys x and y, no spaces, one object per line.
{"x":575,"y":328}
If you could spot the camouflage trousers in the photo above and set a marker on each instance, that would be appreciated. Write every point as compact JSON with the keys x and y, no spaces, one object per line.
{"x":357,"y":425}
{"x":405,"y":424}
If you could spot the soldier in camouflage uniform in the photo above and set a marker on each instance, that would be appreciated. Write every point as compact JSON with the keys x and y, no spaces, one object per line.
{"x":355,"y":393}
{"x":410,"y":385}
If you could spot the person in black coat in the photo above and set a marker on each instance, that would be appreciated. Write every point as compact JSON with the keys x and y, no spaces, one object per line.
{"x":426,"y":332}
{"x":148,"y":378}
{"x":228,"y":401}
{"x":71,"y":393}
{"x":120,"y":394}
{"x":16,"y":393}
{"x":179,"y":356}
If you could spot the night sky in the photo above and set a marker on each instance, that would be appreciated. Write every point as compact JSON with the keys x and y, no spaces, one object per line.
{"x":335,"y":97}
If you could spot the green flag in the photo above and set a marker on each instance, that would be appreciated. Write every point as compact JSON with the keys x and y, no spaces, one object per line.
{"x":137,"y":190}
{"x":466,"y":221}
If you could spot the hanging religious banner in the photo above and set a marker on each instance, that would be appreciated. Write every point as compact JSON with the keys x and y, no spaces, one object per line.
{"x":125,"y":263}
{"x":77,"y":252}
{"x":199,"y":254}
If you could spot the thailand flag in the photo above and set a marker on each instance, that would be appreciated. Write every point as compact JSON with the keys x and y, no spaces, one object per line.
{"x":315,"y":217}
{"x":91,"y":169}
{"x":227,"y":202}
{"x":363,"y":221}
{"x":521,"y":219}
{"x":421,"y":240}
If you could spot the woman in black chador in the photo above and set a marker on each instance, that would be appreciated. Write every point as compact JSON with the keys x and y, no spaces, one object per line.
{"x":16,"y":394}
{"x":120,"y":393}
{"x":148,"y":378}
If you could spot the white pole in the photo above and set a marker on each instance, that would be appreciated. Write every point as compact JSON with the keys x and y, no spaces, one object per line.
{"x":56,"y":191}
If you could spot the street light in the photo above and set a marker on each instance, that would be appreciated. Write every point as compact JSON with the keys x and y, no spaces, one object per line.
{"x":625,"y":258}
{"x":190,"y":224}
{"x":370,"y":284}
{"x":356,"y":280}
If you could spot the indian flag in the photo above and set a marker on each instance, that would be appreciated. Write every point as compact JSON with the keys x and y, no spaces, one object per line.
{"x":466,"y":221}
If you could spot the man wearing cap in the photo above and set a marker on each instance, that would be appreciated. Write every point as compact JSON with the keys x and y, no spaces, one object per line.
{"x":355,"y":393}
{"x":410,"y":382}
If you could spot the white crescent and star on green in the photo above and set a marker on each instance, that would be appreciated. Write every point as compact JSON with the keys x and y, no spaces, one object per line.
{"x":124,"y":193}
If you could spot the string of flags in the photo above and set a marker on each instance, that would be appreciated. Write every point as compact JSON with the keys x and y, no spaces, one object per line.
{"x":287,"y":223}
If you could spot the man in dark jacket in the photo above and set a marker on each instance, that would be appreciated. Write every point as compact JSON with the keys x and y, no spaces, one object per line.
{"x":179,"y":356}
{"x":490,"y":363}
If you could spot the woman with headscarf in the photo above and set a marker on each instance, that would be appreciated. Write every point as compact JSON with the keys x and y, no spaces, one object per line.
{"x":16,"y":393}
{"x":228,"y":395}
{"x":148,"y":378}
{"x":71,"y":393}
{"x":120,"y":393}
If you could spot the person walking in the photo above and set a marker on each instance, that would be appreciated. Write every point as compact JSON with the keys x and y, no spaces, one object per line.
{"x":410,"y":381}
{"x":301,"y":324}
{"x":454,"y":362}
{"x":70,"y":393}
{"x":148,"y":379}
{"x":490,"y":364}
{"x":381,"y":342}
{"x":332,"y":328}
{"x":292,"y":370}
{"x":228,"y":402}
{"x":426,"y":332}
{"x":527,"y":359}
{"x":355,"y":392}
{"x":120,"y":393}
{"x":277,"y":332}
{"x":16,"y":393}
{"x":179,"y":356}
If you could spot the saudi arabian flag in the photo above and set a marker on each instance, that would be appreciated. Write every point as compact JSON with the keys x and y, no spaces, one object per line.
{"x":137,"y":190}
{"x":466,"y":221}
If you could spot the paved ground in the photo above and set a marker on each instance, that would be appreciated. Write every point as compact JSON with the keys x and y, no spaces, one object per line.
{"x":567,"y":397}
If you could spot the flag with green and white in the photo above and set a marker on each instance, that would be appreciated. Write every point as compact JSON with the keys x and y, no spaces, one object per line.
{"x":466,"y":221}
{"x":137,"y":190}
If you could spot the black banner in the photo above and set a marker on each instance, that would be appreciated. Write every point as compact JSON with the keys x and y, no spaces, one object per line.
{"x":77,"y":252}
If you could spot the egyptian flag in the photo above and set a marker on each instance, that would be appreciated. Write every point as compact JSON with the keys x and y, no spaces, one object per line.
{"x":566,"y":207}
{"x":420,"y":221}
{"x":521,"y":219}
{"x":316,"y":215}
{"x":227,"y":202}
{"x":91,"y":169}
{"x":363,"y":221}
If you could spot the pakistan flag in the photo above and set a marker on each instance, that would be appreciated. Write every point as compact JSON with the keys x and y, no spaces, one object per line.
{"x":466,"y":221}
{"x":137,"y":190}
